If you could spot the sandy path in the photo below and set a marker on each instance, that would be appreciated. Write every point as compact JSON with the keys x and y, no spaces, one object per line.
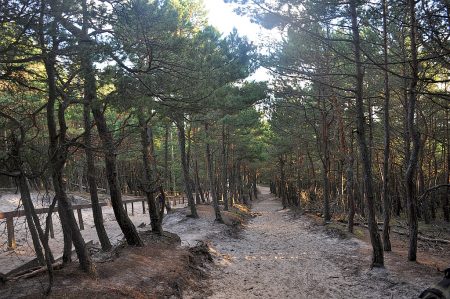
{"x":277,"y":256}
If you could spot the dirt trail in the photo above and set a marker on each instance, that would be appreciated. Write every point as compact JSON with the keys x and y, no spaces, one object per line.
{"x":279,"y":256}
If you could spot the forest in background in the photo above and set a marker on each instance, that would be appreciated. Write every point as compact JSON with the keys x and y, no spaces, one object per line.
{"x":144,"y":97}
{"x":360,"y":115}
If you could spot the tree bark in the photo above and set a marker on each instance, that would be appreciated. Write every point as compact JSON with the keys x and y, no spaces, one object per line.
{"x":215,"y":200}
{"x":283,"y":182}
{"x":185,"y":167}
{"x":197,"y":182}
{"x":224,"y":169}
{"x":149,"y":180}
{"x":58,"y":157}
{"x":90,"y":95}
{"x":446,"y":203}
{"x":413,"y":157}
{"x":377,"y":255}
{"x":385,"y":191}
{"x":126,"y":225}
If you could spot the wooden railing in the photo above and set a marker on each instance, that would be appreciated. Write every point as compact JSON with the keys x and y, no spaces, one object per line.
{"x":9,"y":216}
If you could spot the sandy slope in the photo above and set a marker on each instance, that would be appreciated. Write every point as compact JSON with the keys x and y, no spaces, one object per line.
{"x":278,"y":256}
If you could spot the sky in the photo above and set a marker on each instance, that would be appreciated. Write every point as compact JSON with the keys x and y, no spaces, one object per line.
{"x":222,"y":17}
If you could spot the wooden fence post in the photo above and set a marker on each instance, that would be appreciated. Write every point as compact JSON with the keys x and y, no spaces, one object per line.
{"x":80,"y":219}
{"x":11,"y":238}
{"x":132,"y":208}
{"x":143,"y":207}
{"x":126,"y":209}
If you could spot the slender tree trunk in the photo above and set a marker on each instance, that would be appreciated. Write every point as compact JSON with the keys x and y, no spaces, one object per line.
{"x":197,"y":189}
{"x":413,"y":158}
{"x":350,"y":193}
{"x":215,"y":200}
{"x":90,"y":95}
{"x":377,"y":258}
{"x":185,"y":168}
{"x":27,"y":203}
{"x":149,"y":185}
{"x":198,"y":184}
{"x":283,"y":182}
{"x":166,"y":158}
{"x":385,"y":190}
{"x":326,"y":189}
{"x":446,"y":205}
{"x":254,"y":185}
{"x":224,"y":169}
{"x":91,"y":181}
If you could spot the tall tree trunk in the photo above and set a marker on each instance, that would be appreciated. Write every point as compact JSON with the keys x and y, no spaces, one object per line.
{"x":385,"y":190}
{"x":185,"y":167}
{"x":91,"y":181}
{"x":166,"y":158}
{"x":282,"y":192}
{"x":58,"y":157}
{"x":198,"y":183}
{"x":224,"y":169}
{"x":350,"y":193}
{"x":326,"y":173}
{"x":149,"y":184}
{"x":215,"y":199}
{"x":446,"y":203}
{"x":413,"y":158}
{"x":377,"y":257}
{"x":90,"y":95}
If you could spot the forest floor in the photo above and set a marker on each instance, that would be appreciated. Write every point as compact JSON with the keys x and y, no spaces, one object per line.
{"x":160,"y":269}
{"x":280,"y":254}
{"x":263,"y":253}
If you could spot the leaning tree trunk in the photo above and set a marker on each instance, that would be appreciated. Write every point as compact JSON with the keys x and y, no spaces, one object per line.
{"x":185,"y":168}
{"x":27,"y":206}
{"x":377,"y":257}
{"x":92,"y":184}
{"x":414,"y":154}
{"x":25,"y":191}
{"x":109,"y":148}
{"x":385,"y":191}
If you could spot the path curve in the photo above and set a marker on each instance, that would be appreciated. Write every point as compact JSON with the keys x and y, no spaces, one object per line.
{"x":281,"y":256}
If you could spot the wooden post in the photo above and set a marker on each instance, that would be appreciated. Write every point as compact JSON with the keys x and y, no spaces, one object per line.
{"x":132,"y":208}
{"x":126,"y":210}
{"x":52,"y":232}
{"x":174,"y":201}
{"x":11,"y":238}
{"x":143,"y":207}
{"x":183,"y":199}
{"x":80,"y":219}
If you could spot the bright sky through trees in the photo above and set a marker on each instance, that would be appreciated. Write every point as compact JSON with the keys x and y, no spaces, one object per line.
{"x":222,"y":16}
